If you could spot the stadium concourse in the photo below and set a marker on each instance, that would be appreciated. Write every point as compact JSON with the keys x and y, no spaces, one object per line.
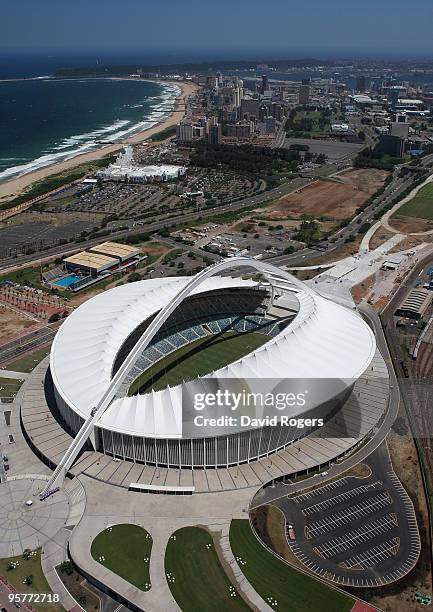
{"x":110,"y":402}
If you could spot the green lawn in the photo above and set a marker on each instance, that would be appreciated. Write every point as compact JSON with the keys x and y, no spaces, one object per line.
{"x":29,"y":362}
{"x":163,"y":134}
{"x":25,"y":276}
{"x":196,"y":578}
{"x":196,"y":359}
{"x":9,"y":387}
{"x":28,"y":567}
{"x":292,"y":590}
{"x":420,"y":206}
{"x":125,"y":550}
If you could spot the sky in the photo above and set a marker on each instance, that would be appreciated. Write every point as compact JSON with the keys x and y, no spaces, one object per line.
{"x":220,"y":28}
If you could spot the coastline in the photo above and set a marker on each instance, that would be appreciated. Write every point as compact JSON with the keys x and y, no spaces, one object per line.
{"x":15,"y":186}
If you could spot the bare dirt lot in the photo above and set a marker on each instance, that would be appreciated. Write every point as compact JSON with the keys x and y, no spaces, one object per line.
{"x":331,"y":199}
{"x":408,"y":225}
{"x":362,"y":290}
{"x":380,"y":237}
{"x":412,"y":241}
{"x":11,"y":323}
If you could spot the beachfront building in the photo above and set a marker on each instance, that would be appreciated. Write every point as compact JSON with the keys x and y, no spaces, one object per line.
{"x":141,"y":174}
{"x":126,"y":170}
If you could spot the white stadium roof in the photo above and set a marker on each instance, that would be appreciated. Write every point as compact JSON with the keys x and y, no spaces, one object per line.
{"x":324,"y":340}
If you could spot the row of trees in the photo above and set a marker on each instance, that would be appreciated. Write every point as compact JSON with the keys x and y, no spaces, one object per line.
{"x":306,"y":124}
{"x":247,"y":159}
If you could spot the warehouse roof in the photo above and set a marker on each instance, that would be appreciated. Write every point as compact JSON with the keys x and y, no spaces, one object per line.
{"x":417,"y":301}
{"x":91,"y":260}
{"x":116,"y":249}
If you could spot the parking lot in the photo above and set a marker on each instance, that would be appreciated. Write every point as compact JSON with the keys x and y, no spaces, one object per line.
{"x":35,"y":236}
{"x":333,"y":149}
{"x":355,"y":531}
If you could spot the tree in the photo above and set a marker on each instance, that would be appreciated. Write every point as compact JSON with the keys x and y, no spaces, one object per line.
{"x":66,"y":567}
{"x":400,"y":426}
{"x":134,"y":277}
{"x":361,"y":135}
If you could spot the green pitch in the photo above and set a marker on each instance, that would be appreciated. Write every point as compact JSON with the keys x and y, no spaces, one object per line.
{"x":196,"y":578}
{"x":280,"y":585}
{"x":125,"y":550}
{"x":420,"y":206}
{"x":196,"y":359}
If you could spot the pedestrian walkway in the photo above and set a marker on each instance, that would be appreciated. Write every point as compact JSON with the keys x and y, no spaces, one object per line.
{"x":13,"y":374}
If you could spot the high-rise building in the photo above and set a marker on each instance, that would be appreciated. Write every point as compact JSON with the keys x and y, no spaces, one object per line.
{"x":304,"y":94}
{"x":278,"y":111}
{"x":249,"y":109}
{"x":360,"y":83}
{"x":391,"y":145}
{"x":184,"y":132}
{"x":215,"y":134}
{"x":263,"y":112}
{"x":399,"y":129}
{"x":265,"y":83}
{"x":250,"y":85}
{"x":270,"y":125}
{"x":240,"y":130}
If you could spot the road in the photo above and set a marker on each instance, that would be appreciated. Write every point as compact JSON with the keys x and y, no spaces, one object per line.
{"x":24,"y":344}
{"x":11,"y":264}
{"x":395,"y":187}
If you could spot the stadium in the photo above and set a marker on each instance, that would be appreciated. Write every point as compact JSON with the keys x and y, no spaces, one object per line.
{"x":119,"y":361}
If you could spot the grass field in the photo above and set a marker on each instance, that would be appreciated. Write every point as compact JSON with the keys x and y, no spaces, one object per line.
{"x":196,"y":578}
{"x":123,"y":550}
{"x":420,"y":206}
{"x":196,"y":359}
{"x":9,"y":387}
{"x":292,"y":590}
{"x":28,"y":567}
{"x":29,"y":362}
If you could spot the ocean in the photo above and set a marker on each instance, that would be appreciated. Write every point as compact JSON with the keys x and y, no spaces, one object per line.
{"x":44,"y":121}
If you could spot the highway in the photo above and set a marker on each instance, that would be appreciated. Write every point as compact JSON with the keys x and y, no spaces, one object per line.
{"x":24,"y":344}
{"x":44,"y":336}
{"x":395,"y":187}
{"x":12,"y":263}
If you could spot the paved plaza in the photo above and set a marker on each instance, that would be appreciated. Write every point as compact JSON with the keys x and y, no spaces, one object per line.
{"x":24,"y":526}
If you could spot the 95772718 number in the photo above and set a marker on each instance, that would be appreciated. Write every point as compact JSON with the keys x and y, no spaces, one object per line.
{"x":33,"y":598}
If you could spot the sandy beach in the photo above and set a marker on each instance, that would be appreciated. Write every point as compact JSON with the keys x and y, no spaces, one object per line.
{"x":16,"y":185}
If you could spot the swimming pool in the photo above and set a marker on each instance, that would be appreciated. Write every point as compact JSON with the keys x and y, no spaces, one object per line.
{"x":67,"y":281}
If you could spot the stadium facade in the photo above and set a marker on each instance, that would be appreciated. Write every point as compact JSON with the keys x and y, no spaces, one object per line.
{"x":125,"y":332}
